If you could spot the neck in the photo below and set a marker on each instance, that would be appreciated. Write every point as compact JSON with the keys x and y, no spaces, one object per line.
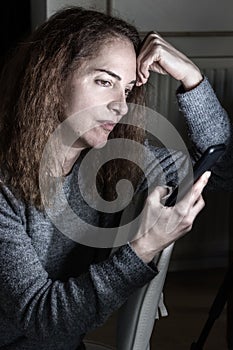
{"x":68,"y":159}
{"x":64,"y":159}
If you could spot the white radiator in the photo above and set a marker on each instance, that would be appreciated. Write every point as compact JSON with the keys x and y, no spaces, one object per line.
{"x":161,"y":89}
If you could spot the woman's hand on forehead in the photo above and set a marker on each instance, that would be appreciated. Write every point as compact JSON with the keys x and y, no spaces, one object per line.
{"x":157,"y":55}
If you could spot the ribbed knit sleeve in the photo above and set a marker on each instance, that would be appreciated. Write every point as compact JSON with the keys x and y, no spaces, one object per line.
{"x":209,"y":124}
{"x":207,"y":121}
{"x":49,"y":314}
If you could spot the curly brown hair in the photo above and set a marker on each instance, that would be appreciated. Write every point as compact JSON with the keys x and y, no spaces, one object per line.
{"x":32,"y":94}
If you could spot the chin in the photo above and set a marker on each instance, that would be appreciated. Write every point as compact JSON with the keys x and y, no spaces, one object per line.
{"x":100,"y":144}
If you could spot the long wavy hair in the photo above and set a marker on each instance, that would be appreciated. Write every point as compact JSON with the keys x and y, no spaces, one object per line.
{"x":32,"y":95}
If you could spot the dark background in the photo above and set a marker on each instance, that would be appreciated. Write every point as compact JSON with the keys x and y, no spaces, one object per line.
{"x":15,"y":25}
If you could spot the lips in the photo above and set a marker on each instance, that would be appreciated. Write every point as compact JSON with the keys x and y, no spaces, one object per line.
{"x":107,"y":125}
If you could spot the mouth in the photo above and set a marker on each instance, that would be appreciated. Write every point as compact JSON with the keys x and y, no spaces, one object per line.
{"x":107,"y":125}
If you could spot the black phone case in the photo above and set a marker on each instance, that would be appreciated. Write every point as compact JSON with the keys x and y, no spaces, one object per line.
{"x":206,"y":162}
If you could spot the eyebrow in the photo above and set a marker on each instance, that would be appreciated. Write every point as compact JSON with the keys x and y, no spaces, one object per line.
{"x":114,"y":75}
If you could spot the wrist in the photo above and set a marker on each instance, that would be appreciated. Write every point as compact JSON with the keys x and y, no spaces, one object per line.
{"x":192,"y":80}
{"x":142,"y":252}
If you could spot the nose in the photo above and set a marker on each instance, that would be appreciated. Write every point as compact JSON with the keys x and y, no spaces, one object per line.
{"x":118,"y":107}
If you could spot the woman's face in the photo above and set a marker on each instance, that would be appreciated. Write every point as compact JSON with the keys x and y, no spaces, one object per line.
{"x":96,"y":93}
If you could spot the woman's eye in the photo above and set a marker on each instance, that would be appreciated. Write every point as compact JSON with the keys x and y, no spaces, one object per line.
{"x":104,"y":83}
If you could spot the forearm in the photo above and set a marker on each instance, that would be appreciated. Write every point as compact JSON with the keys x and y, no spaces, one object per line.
{"x":41,"y":308}
{"x":209,"y":124}
{"x":207,"y":121}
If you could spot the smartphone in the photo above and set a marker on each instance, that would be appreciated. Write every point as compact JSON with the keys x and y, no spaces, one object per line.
{"x":206,"y":161}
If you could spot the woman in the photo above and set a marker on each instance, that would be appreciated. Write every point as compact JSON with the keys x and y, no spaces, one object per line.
{"x":53,"y":289}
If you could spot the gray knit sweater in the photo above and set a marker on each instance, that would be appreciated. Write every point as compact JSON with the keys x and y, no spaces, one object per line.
{"x":54,"y":290}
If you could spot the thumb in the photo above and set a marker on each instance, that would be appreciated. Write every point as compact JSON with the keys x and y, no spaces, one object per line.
{"x":160,"y":193}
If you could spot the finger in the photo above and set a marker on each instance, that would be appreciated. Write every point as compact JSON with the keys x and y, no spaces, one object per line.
{"x":156,"y":196}
{"x":146,"y":63}
{"x":192,"y":214}
{"x":147,"y":40}
{"x":163,"y":191}
{"x":200,"y":185}
{"x":151,"y":37}
{"x":181,"y":219}
{"x":151,"y":62}
{"x":150,"y":59}
{"x":143,"y":62}
{"x":203,"y":179}
{"x":198,"y":206}
{"x":146,"y":51}
{"x":192,"y":203}
{"x":153,"y":40}
{"x":192,"y":196}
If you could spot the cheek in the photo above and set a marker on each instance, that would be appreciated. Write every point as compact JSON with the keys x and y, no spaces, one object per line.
{"x":88,"y":98}
{"x":77,"y":102}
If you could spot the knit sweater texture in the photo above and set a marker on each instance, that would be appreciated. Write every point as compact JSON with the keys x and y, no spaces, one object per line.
{"x":54,"y":290}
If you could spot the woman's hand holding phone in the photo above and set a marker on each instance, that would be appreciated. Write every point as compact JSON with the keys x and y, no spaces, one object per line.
{"x":162,"y":225}
{"x":205,"y":162}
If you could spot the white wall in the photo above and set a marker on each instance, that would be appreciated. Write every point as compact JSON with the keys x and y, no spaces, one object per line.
{"x":54,"y":5}
{"x":42,"y":9}
{"x":160,"y":15}
{"x":187,"y":24}
{"x":177,"y":15}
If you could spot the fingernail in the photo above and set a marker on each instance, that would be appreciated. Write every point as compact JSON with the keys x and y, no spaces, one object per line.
{"x":207,"y":174}
{"x":206,"y":177}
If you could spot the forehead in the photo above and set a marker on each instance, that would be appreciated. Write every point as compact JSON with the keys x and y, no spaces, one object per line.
{"x":115,"y":54}
{"x":121,"y":44}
